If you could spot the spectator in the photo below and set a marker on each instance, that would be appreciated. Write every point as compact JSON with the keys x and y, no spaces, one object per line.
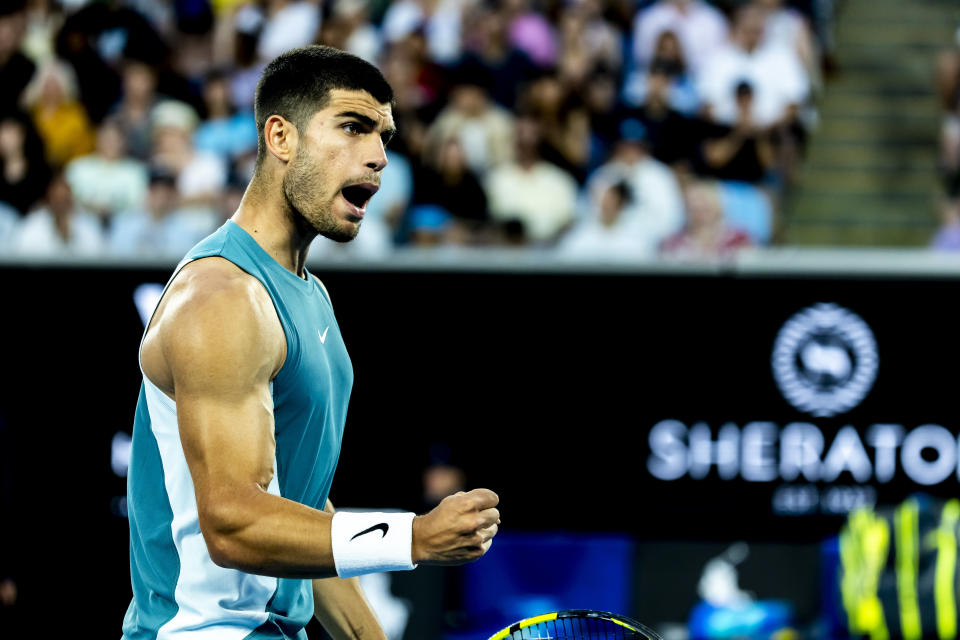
{"x":536,"y":193}
{"x":483,"y":128}
{"x":788,"y":27}
{"x":447,"y":182}
{"x":587,"y":40}
{"x":287,"y":24}
{"x":743,"y":152}
{"x":423,"y":82}
{"x":438,"y":20}
{"x":611,"y":232}
{"x":59,"y":228}
{"x":16,"y":69}
{"x":139,"y":96}
{"x":59,"y":117}
{"x":779,"y":82}
{"x":671,"y":136}
{"x":655,"y":192}
{"x":532,"y":33}
{"x":600,"y":100}
{"x":489,"y":45}
{"x":669,"y":65}
{"x":564,"y":123}
{"x":700,"y":28}
{"x":200,"y":174}
{"x":160,"y":228}
{"x":24,"y":173}
{"x":227,"y":132}
{"x":107,"y":181}
{"x":360,"y":37}
{"x":706,"y":234}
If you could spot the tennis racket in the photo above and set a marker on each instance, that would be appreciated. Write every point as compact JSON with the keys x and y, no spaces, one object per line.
{"x":579,"y":624}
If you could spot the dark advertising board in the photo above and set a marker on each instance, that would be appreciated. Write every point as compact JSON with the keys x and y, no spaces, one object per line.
{"x":667,"y":407}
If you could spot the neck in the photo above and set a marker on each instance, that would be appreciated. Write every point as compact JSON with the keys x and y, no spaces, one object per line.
{"x":265,"y":214}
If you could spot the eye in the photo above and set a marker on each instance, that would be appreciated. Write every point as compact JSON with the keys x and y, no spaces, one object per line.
{"x":352,"y":128}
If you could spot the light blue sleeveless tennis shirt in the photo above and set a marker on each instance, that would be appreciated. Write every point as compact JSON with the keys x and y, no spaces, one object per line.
{"x":178,"y":592}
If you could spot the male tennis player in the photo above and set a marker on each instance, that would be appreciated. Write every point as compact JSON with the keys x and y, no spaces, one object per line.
{"x":245,"y":387}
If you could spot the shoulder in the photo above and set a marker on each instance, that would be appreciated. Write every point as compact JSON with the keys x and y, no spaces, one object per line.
{"x":214,"y":284}
{"x":215,"y":308}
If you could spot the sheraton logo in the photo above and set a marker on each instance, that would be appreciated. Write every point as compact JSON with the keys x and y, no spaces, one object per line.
{"x":825,"y":360}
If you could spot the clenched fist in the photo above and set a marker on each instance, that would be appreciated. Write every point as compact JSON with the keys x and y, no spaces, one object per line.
{"x":460,"y":529}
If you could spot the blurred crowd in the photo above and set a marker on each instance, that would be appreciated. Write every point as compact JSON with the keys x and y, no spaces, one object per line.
{"x":592,"y":129}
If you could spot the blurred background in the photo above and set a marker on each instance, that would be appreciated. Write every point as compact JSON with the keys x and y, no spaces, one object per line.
{"x":676,"y":278}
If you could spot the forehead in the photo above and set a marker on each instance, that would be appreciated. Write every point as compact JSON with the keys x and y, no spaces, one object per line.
{"x":348,"y":100}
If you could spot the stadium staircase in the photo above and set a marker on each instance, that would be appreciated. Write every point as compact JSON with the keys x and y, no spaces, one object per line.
{"x":870,"y":176}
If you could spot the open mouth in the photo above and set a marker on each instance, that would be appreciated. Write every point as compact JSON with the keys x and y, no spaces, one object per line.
{"x":359,"y":194}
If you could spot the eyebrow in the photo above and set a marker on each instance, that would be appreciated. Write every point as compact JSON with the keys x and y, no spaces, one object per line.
{"x":370,"y":122}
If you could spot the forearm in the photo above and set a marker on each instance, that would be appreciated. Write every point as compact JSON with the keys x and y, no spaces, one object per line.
{"x":265,"y":534}
{"x":343,"y":610}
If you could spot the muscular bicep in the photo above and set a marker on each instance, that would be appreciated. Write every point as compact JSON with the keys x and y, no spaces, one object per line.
{"x":222,"y":347}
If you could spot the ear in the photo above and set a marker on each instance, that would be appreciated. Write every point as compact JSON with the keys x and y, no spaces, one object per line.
{"x":280,"y":136}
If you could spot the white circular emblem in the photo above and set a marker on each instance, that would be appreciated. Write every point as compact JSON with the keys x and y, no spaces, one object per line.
{"x":825,"y":360}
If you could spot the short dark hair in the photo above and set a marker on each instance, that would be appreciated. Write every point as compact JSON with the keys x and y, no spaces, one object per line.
{"x":297,"y":84}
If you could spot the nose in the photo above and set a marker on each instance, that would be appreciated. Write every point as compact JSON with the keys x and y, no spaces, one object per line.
{"x":378,"y":155}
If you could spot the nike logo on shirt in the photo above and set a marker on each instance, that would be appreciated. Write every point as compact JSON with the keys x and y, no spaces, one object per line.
{"x":323,"y":336}
{"x":383,"y":526}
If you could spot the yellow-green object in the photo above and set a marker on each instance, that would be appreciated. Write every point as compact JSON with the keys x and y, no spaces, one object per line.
{"x":944,"y":591}
{"x":908,"y":557}
{"x":864,"y":545}
{"x":898,"y":570}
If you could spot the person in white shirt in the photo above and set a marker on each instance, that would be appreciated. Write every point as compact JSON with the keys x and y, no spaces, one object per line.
{"x":108,"y":181}
{"x":775,"y":72}
{"x":59,"y":228}
{"x":287,"y":25}
{"x":702,"y":29}
{"x":538,"y":194}
{"x":657,"y":199}
{"x":611,"y":233}
{"x":484,"y":129}
{"x":160,"y":228}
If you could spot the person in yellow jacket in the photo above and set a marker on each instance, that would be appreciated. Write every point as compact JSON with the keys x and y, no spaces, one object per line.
{"x":60,"y":118}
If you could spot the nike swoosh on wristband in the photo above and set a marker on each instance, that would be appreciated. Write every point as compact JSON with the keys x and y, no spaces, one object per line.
{"x":383,"y":526}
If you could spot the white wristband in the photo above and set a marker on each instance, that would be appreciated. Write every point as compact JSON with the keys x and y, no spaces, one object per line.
{"x":371,"y":542}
